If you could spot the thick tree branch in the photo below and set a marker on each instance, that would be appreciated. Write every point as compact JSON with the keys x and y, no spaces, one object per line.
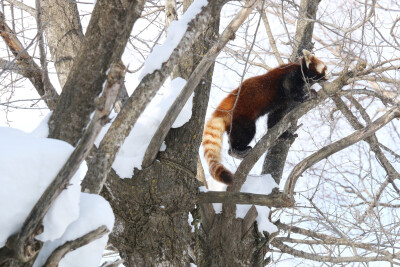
{"x":192,"y":83}
{"x":24,"y":240}
{"x":273,"y":200}
{"x":304,"y":28}
{"x":105,"y":40}
{"x":54,"y":259}
{"x":64,"y":34}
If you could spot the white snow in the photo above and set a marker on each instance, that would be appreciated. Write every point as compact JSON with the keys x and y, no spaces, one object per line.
{"x":42,"y":130}
{"x":132,"y":151}
{"x":27,"y":165}
{"x":260,"y":184}
{"x":255,"y":184}
{"x":176,"y":30}
{"x":95,"y":211}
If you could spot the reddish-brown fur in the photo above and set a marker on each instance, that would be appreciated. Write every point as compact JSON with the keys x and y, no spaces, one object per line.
{"x":267,"y":93}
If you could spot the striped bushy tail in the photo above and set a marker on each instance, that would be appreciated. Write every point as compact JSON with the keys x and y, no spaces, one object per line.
{"x":212,"y":143}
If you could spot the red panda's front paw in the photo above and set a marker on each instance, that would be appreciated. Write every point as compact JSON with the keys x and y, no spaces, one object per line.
{"x":239,"y":154}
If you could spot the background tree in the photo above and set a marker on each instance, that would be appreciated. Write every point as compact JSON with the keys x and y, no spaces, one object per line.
{"x":338,"y":197}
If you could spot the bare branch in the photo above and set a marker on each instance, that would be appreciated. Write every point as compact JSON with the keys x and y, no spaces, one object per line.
{"x":31,"y":70}
{"x":271,"y":38}
{"x":55,"y":257}
{"x":24,"y":7}
{"x":337,"y":146}
{"x":45,"y":75}
{"x":316,"y":257}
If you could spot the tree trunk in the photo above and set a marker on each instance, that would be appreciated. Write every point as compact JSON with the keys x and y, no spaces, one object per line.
{"x":152,"y":208}
{"x":64,"y":34}
{"x":105,"y":40}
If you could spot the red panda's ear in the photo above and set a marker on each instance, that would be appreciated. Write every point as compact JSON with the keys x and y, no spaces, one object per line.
{"x":307,"y":57}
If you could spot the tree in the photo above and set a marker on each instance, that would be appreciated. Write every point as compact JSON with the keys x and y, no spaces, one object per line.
{"x":333,"y":208}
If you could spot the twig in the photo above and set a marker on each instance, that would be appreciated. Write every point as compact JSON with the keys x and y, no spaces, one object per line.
{"x":49,"y":93}
{"x":24,"y":7}
{"x":30,"y":69}
{"x":316,"y":257}
{"x":271,"y":38}
{"x":54,"y":259}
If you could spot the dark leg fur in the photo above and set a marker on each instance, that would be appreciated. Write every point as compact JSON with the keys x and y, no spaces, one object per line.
{"x":275,"y":116}
{"x":241,"y":134}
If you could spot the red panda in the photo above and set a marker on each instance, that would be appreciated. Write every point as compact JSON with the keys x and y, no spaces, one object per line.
{"x":272,"y":93}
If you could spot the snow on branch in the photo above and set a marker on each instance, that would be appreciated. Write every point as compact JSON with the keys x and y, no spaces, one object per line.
{"x":137,"y":102}
{"x":193,"y":81}
{"x":61,"y":251}
{"x":271,"y":200}
{"x":24,"y":242}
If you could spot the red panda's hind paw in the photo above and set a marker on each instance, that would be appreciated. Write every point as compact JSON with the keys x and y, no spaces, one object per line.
{"x":239,"y":154}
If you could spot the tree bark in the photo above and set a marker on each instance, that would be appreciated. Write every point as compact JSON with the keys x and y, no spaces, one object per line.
{"x":64,"y":34}
{"x":152,"y":208}
{"x":105,"y":40}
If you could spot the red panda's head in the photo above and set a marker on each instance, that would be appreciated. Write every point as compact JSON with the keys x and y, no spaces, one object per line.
{"x":316,"y":69}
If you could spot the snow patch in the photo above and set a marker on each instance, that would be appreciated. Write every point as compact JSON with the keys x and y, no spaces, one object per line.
{"x":28,"y":164}
{"x":42,"y":130}
{"x":176,"y":30}
{"x":261,"y":184}
{"x":132,"y":151}
{"x":95,"y":211}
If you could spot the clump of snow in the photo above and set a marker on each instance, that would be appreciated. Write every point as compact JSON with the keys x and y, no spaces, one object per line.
{"x":132,"y":151}
{"x":185,"y":114}
{"x":95,"y":211}
{"x":27,"y":165}
{"x":261,"y":184}
{"x":176,"y":30}
{"x":255,"y":184}
{"x":42,"y":130}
